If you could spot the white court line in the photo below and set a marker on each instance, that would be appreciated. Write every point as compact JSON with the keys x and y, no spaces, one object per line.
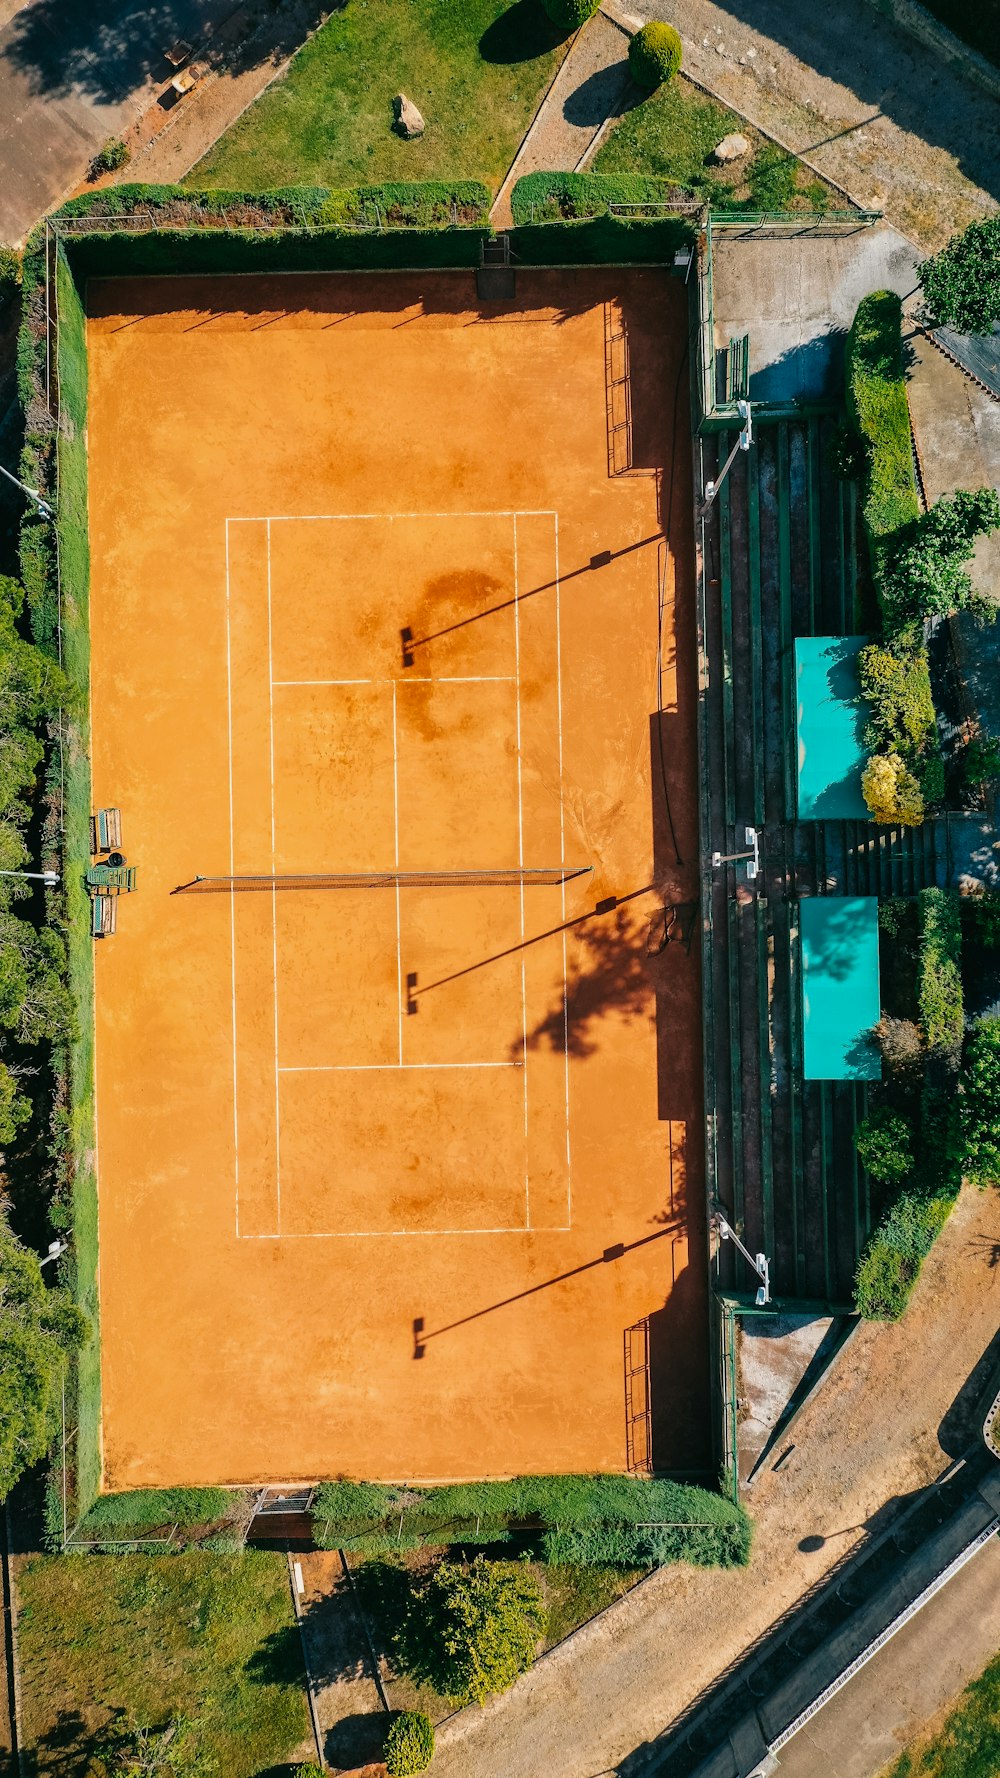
{"x":560,"y":1228}
{"x":274,"y":894}
{"x":430,"y":679}
{"x":232,"y":872}
{"x":562,"y":854}
{"x":399,"y":916}
{"x":385,"y":1067}
{"x":520,"y":860}
{"x":311,"y":518}
{"x":411,"y":679}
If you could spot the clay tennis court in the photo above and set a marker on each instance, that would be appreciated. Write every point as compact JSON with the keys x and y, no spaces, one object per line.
{"x":383,"y":591}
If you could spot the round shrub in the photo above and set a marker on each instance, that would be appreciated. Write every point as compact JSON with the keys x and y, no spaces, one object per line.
{"x":109,"y":159}
{"x":409,"y":1745}
{"x":654,"y":55}
{"x":568,"y":14}
{"x":883,"y":1144}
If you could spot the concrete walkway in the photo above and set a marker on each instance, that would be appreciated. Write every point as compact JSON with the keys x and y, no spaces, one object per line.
{"x":865,"y":103}
{"x":349,"y":1700}
{"x":592,"y":85}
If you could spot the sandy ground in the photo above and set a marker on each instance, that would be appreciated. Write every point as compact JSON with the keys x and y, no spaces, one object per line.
{"x":391,"y":1243}
{"x":870,"y":108}
{"x":885,"y":1425}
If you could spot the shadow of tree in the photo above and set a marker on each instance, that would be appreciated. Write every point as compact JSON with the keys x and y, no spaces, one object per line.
{"x":520,"y":34}
{"x":64,"y":1751}
{"x":609,"y":974}
{"x":106,"y":52}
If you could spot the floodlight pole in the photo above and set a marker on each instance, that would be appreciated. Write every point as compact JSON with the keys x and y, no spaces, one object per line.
{"x":43,"y":506}
{"x":758,"y":1262}
{"x":743,"y":443}
{"x":49,"y":877}
{"x":752,"y":855}
{"x":56,"y":1249}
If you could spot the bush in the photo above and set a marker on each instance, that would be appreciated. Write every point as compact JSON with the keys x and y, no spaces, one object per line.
{"x":654,"y":55}
{"x":569,"y":14}
{"x":39,"y":1329}
{"x":981,"y":1103}
{"x":409,"y":1745}
{"x":981,"y":761}
{"x":883,"y":1142}
{"x":469,"y":1632}
{"x":923,"y":571}
{"x":939,"y":973}
{"x":890,"y":1264}
{"x":876,"y":400}
{"x":109,"y":159}
{"x":981,"y":919}
{"x":902,"y":1048}
{"x":891,"y":791}
{"x":10,"y":269}
{"x":962,"y":282}
{"x":897,"y":685}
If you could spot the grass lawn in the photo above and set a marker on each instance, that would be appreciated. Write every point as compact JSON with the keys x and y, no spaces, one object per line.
{"x":475,"y":69}
{"x":671,"y":135}
{"x":209,"y":1637}
{"x":968,"y":1746}
{"x":978,"y":25}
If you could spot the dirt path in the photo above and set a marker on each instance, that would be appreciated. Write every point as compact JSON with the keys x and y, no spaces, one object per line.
{"x":885,"y":1425}
{"x":870,"y":107}
{"x":589,"y":88}
{"x":349,"y":1701}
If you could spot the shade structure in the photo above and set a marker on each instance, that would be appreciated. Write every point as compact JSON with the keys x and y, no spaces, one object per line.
{"x":830,"y":721}
{"x":840,"y":987}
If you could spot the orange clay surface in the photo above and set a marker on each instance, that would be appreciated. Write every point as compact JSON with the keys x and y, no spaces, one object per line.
{"x":385,"y":1175}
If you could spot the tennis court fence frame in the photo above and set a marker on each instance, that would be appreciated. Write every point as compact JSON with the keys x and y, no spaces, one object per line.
{"x":86,"y":244}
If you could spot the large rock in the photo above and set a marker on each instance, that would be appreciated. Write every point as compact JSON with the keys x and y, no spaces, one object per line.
{"x":731,"y":148}
{"x":409,"y":122}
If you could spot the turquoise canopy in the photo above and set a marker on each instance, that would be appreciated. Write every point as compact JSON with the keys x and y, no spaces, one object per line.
{"x":840,"y":987}
{"x":830,"y":724}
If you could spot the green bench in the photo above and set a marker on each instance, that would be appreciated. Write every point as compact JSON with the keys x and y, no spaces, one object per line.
{"x":106,"y":830}
{"x":119,"y":878}
{"x":103,"y":916}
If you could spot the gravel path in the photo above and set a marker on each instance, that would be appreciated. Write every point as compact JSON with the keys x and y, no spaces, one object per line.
{"x":871,"y":108}
{"x":880,"y":1428}
{"x":591,"y":86}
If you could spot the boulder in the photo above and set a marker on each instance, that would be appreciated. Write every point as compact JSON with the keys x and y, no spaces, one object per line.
{"x":731,"y":148}
{"x":409,"y":122}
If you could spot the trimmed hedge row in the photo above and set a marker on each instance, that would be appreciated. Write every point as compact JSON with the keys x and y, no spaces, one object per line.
{"x":424,"y":204}
{"x":939,"y":974}
{"x":577,"y":1518}
{"x":876,"y":400}
{"x":565,"y":218}
{"x":564,"y":197}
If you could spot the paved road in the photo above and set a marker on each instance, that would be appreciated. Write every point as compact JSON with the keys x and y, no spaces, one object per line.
{"x":71,"y":75}
{"x":908,"y":1682}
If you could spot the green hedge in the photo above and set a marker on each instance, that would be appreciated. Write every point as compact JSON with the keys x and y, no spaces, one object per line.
{"x":576,"y":1518}
{"x":891,"y":1262}
{"x":981,"y":1104}
{"x":876,"y":400}
{"x":561,"y":197}
{"x":939,"y":973}
{"x":420,"y":204}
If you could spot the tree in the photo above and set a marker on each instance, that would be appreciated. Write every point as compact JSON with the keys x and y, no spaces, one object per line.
{"x":924,"y":575}
{"x":470,"y":1632}
{"x":34,"y":1001}
{"x":981,"y":1103}
{"x":15,"y":1109}
{"x":38,"y":1329}
{"x":962,"y":282}
{"x":891,"y":791}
